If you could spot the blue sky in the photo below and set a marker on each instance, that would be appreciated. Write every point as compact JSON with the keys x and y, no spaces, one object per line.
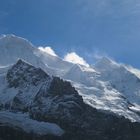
{"x":91,"y":28}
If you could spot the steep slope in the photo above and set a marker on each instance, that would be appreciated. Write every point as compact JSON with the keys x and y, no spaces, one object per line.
{"x":82,"y":74}
{"x":13,"y":48}
{"x":54,"y":62}
{"x":97,"y":85}
{"x":27,"y":80}
{"x":133,"y":70}
{"x":54,"y":101}
{"x":121,"y":79}
{"x":23,"y":84}
{"x":108,"y":86}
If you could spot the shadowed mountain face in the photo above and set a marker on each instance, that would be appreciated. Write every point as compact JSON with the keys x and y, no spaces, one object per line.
{"x":56,"y":101}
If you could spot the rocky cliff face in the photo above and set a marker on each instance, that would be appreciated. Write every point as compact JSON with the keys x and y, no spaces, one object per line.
{"x":51,"y":99}
{"x":26,"y":79}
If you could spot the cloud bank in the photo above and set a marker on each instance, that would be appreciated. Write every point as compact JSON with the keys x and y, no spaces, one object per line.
{"x":75,"y":58}
{"x":48,"y":50}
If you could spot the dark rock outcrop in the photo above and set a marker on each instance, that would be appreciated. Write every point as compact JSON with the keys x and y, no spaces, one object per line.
{"x":26,"y":79}
{"x":23,"y":74}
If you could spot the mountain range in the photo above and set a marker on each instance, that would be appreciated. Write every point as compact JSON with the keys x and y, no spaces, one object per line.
{"x":43,"y":96}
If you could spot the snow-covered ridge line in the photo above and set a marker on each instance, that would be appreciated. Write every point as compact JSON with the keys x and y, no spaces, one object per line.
{"x":13,"y":37}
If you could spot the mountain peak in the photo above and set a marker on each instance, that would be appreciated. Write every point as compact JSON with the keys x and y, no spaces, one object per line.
{"x":8,"y":36}
{"x":11,"y":36}
{"x":106,"y":60}
{"x":11,"y":40}
{"x":22,"y":62}
{"x":106,"y":63}
{"x":23,"y":72}
{"x":12,"y":48}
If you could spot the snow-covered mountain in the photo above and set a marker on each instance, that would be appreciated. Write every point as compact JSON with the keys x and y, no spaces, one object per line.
{"x":108,"y":86}
{"x":27,"y":84}
{"x":36,"y":105}
{"x":13,"y":48}
{"x":81,"y":74}
{"x":29,"y":94}
{"x":55,"y":63}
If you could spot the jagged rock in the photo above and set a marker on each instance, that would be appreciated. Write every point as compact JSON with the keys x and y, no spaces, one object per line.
{"x":27,"y":80}
{"x":24,"y":74}
{"x":61,"y":101}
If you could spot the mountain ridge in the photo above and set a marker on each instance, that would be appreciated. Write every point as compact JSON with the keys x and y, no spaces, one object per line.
{"x":104,"y":78}
{"x":73,"y":96}
{"x":57,"y":105}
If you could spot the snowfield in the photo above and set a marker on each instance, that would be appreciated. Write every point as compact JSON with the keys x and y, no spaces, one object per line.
{"x":22,"y":121}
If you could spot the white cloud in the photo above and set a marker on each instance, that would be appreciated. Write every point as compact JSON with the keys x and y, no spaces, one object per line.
{"x":98,"y":55}
{"x":48,"y":50}
{"x":75,"y":58}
